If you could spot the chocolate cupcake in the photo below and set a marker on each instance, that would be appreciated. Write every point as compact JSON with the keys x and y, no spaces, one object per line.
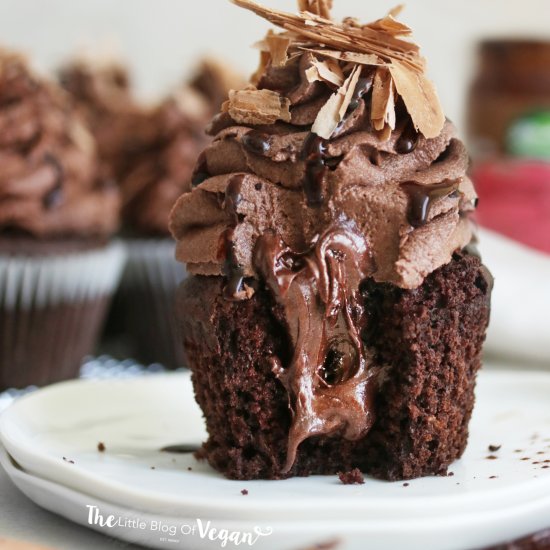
{"x":334,"y":318}
{"x":57,"y":268}
{"x":213,"y":79}
{"x":150,"y":188}
{"x":150,"y":153}
{"x":101,"y":91}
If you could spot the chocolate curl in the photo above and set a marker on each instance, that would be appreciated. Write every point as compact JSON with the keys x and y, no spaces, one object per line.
{"x":317,"y":7}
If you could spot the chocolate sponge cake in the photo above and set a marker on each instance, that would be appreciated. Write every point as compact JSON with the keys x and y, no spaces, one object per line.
{"x":335,"y":314}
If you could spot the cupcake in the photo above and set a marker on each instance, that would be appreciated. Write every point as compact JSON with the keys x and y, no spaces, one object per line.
{"x":58,"y":268}
{"x":335,"y":314}
{"x":159,"y":175}
{"x":150,"y":152}
{"x":100,"y":89}
{"x":213,"y":79}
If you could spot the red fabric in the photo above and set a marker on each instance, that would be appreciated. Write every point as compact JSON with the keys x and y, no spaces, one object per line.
{"x":514,"y":200}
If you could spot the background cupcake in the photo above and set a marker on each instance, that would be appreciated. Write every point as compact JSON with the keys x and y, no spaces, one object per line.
{"x":100,"y":89}
{"x":57,"y":268}
{"x":150,"y":153}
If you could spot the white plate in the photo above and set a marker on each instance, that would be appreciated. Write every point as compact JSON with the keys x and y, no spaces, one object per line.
{"x":135,"y":418}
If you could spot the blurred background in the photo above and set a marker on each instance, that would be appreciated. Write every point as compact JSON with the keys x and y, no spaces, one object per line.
{"x":161,"y":39}
{"x":490,"y":60}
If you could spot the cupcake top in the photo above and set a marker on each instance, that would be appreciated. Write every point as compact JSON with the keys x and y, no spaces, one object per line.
{"x":340,"y":127}
{"x":213,"y":79}
{"x":100,"y":89}
{"x":150,"y":151}
{"x":49,"y":183}
{"x":162,"y":169}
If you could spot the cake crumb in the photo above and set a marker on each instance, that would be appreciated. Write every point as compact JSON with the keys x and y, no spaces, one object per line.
{"x":189,"y":469}
{"x":491,"y":457}
{"x":493,"y":477}
{"x":494,"y":448}
{"x":244,"y":492}
{"x":101,"y":447}
{"x":353,"y":477}
{"x":450,"y":474}
{"x":67,"y":460}
{"x":153,"y":468}
{"x":406,"y":484}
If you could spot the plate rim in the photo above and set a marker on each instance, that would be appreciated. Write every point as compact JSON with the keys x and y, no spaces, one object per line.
{"x":24,"y":454}
{"x":285,"y":527}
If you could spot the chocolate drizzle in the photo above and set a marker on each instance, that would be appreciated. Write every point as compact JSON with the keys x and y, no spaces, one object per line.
{"x":408,"y":140}
{"x":314,"y":153}
{"x":363,"y":87}
{"x":256,"y":142}
{"x":329,"y":380}
{"x":422,"y":197}
{"x":232,"y":269}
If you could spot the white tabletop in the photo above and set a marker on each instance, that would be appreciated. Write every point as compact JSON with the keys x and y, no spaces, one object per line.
{"x":21,"y":519}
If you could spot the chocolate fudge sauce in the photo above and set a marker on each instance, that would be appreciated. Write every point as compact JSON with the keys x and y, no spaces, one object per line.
{"x":329,"y":382}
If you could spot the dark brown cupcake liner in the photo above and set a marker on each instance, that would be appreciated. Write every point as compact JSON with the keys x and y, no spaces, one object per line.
{"x":52,"y":308}
{"x":144,"y":307}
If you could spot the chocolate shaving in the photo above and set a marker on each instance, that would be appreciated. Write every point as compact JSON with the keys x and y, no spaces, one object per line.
{"x":333,"y":111}
{"x":382,"y":44}
{"x":343,"y":36}
{"x":390,"y":25}
{"x":277,"y":46}
{"x":253,"y":106}
{"x":383,"y":101}
{"x":367,"y":59}
{"x":420,"y":98}
{"x":327,"y":71}
{"x":318,"y":7}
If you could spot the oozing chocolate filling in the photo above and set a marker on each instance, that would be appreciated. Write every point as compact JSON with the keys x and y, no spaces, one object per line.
{"x":329,"y":380}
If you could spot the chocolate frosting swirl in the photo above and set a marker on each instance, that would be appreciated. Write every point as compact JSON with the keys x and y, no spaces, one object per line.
{"x":150,"y":151}
{"x":100,"y":90}
{"x":163,"y":168}
{"x":49,"y":184}
{"x":311,"y":218}
{"x":360,"y":176}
